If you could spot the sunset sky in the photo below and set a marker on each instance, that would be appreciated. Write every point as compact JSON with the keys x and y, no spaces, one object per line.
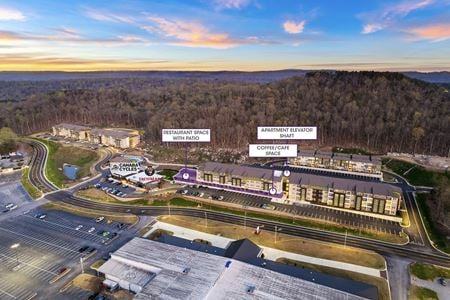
{"x":225,"y":35}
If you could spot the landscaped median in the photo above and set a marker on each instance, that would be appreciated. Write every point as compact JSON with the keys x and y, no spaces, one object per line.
{"x":60,"y":154}
{"x":250,"y":212}
{"x":84,"y":212}
{"x":33,"y":191}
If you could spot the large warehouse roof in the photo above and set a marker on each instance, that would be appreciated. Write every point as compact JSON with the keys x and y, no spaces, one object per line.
{"x":181,"y":273}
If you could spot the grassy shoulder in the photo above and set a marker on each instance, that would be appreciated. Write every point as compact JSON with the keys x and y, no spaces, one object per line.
{"x":284,"y":242}
{"x":182,"y":202}
{"x":428,"y":272}
{"x":416,"y":175}
{"x":33,"y":191}
{"x":60,"y":154}
{"x":436,"y":237}
{"x":380,"y":283}
{"x":123,"y":218}
{"x":421,"y":293}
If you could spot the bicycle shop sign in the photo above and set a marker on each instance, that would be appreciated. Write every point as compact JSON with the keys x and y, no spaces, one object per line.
{"x":124,"y":167}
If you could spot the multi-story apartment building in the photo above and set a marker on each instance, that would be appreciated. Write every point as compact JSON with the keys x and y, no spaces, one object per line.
{"x":363,"y":165}
{"x":71,"y":131}
{"x":361,"y":195}
{"x":119,"y":138}
{"x":116,"y":137}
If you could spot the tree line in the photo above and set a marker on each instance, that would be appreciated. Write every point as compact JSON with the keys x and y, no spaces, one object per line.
{"x":371,"y":110}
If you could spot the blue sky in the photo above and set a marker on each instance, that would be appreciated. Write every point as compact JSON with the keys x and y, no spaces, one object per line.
{"x":225,"y":35}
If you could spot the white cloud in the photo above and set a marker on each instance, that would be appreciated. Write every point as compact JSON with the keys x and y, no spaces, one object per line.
{"x":108,"y":17}
{"x":388,"y":16}
{"x":11,"y":14}
{"x":293,"y":27}
{"x":231,"y":4}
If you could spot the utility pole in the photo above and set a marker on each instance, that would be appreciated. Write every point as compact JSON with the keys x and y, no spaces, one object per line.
{"x":206,"y":219}
{"x":169,"y":208}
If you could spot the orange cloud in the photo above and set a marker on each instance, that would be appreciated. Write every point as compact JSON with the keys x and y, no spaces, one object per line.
{"x":189,"y":34}
{"x":294,"y":27}
{"x":9,"y":36}
{"x":435,"y":32}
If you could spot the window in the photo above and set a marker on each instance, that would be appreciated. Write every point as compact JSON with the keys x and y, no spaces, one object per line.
{"x":266,"y":186}
{"x":303,"y":194}
{"x":222,"y":179}
{"x":236,"y":181}
{"x":358,"y":202}
{"x":208,"y":177}
{"x":316,"y":195}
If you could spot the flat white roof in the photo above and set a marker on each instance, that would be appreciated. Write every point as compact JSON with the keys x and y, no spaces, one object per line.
{"x":209,"y":276}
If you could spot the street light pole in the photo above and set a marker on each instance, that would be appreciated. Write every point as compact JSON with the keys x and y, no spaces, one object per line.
{"x":81,"y":263}
{"x":15,"y":246}
{"x":206,"y":219}
{"x":169,"y":209}
{"x":345,"y":240}
{"x":276,"y":230}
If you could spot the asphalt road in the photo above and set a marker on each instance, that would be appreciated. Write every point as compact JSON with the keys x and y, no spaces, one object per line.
{"x":422,"y":254}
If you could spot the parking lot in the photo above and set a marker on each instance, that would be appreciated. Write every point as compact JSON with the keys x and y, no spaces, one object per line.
{"x":319,"y":212}
{"x":12,"y":196}
{"x":117,"y":187}
{"x":37,"y":246}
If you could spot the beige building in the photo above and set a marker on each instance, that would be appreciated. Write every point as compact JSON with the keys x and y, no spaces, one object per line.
{"x":115,"y":137}
{"x":361,"y":195}
{"x":363,"y":165}
{"x":119,"y":138}
{"x":71,"y":131}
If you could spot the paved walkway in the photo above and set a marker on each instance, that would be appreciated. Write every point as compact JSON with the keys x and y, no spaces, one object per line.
{"x":442,"y":291}
{"x":269,"y":253}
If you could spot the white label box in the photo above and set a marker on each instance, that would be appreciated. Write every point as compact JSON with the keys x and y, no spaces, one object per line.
{"x":186,"y":135}
{"x":272,"y":150}
{"x":287,"y":133}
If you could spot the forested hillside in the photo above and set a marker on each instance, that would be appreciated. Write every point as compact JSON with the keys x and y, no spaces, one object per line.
{"x":376,"y":111}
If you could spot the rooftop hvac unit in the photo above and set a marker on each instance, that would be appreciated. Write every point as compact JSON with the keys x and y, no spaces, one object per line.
{"x":250,"y":289}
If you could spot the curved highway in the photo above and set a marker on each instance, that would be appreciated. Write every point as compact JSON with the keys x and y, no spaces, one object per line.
{"x":433,"y":257}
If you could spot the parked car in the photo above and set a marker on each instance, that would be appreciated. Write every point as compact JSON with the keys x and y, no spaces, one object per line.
{"x":99,"y":219}
{"x":13,"y":207}
{"x":184,"y":192}
{"x":82,"y":249}
{"x":40,"y":216}
{"x":220,"y":198}
{"x":442,"y":281}
{"x":91,"y":230}
{"x":79,"y":227}
{"x":9,"y":205}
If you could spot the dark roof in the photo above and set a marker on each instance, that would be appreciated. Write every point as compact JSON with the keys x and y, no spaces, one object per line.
{"x":347,"y":184}
{"x":340,"y":156}
{"x":72,"y":126}
{"x":239,"y":170}
{"x":114,"y":133}
{"x":359,"y":186}
{"x":242,"y":250}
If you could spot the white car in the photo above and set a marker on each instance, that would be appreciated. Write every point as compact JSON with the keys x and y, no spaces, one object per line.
{"x":79,"y":227}
{"x":201,"y":194}
{"x":13,"y":207}
{"x":9,"y":205}
{"x":99,"y":219}
{"x":91,"y":230}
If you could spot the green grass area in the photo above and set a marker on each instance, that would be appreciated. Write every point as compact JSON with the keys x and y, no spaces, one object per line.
{"x":168,"y":174}
{"x":90,"y":213}
{"x":428,"y":272}
{"x":417,"y":176}
{"x":59,"y":154}
{"x":438,"y":239}
{"x":351,"y":151}
{"x":379,"y":283}
{"x":421,"y":293}
{"x":301,"y":222}
{"x":33,"y":191}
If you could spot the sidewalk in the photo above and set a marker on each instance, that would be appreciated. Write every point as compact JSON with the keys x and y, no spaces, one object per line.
{"x":269,"y":253}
